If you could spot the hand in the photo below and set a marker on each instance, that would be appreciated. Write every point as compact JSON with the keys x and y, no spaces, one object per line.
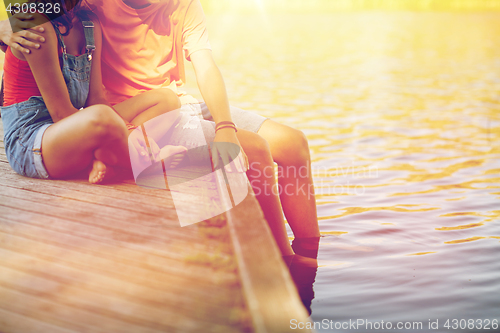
{"x":136,"y":141}
{"x":28,"y":34}
{"x":228,"y":148}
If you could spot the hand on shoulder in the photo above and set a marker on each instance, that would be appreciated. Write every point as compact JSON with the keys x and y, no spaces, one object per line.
{"x":28,"y":35}
{"x":44,"y":31}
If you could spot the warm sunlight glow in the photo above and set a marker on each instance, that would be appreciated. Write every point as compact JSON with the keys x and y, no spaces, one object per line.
{"x":322,"y":6}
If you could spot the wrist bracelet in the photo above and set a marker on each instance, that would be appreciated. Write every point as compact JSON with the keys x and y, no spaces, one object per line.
{"x":226,"y":126}
{"x":224,"y":123}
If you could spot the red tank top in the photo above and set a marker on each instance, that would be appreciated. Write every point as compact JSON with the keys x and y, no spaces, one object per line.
{"x":18,"y":81}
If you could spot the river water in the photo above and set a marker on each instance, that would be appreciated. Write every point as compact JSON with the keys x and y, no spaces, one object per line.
{"x":401,"y":110}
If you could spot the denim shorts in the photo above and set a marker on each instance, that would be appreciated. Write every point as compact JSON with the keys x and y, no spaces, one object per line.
{"x":24,"y":125}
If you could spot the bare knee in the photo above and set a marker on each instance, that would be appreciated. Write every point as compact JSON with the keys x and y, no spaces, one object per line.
{"x":259,"y":153}
{"x":104,"y":123}
{"x":296,"y":149}
{"x":303,"y":151}
{"x":168,"y":99}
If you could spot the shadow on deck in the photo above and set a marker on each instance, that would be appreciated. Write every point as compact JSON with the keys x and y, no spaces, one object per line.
{"x":76,"y":257}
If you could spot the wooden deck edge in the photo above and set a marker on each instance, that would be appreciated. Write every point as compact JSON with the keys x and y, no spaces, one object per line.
{"x":270,"y":293}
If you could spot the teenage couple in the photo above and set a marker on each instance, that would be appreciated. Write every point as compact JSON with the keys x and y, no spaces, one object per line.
{"x":59,"y":121}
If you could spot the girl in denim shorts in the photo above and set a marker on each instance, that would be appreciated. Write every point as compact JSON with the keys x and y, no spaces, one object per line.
{"x":57,"y":122}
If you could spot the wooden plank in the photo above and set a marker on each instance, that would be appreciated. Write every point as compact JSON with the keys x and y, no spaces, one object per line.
{"x":91,"y":266}
{"x":169,"y":255}
{"x":108,"y":268}
{"x":166,"y":245}
{"x":271,"y":296}
{"x":108,"y":260}
{"x":86,"y":261}
{"x":81,"y":294}
{"x":126,"y":203}
{"x":155,"y":203}
{"x":80,"y":257}
{"x":92,"y":213}
{"x":68,"y":317}
{"x":11,"y":322}
{"x":115,"y":191}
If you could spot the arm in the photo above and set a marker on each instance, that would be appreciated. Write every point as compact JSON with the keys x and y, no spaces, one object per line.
{"x":214,"y":93}
{"x":211,"y":85}
{"x":96,"y":92}
{"x":44,"y":64}
{"x":29,"y":35}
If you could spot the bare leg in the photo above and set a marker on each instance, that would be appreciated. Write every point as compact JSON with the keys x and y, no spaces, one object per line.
{"x":163,"y":106}
{"x":290,"y":150}
{"x":261,"y":177}
{"x":72,"y":144}
{"x":148,"y":105}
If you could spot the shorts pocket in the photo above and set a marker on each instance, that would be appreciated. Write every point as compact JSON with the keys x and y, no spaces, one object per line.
{"x":26,"y":129}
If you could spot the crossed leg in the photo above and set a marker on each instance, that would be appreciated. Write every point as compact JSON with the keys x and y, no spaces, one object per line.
{"x":96,"y":133}
{"x":148,"y":105}
{"x":160,"y":104}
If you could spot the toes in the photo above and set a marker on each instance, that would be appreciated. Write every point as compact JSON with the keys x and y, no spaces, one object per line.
{"x":98,"y":172}
{"x":175,"y":163}
{"x":176,"y":160}
{"x":99,"y":177}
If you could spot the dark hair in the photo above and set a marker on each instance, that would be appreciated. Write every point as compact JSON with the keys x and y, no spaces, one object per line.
{"x":69,"y":9}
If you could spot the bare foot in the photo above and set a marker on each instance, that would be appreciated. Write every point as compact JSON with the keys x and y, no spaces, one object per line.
{"x":172,"y":155}
{"x":99,"y":172}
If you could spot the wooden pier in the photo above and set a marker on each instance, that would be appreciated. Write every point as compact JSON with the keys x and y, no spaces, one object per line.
{"x":76,"y":257}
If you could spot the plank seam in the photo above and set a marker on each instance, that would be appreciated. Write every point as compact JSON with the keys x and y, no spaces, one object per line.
{"x":246,"y":281}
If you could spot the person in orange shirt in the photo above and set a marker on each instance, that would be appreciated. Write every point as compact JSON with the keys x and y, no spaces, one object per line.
{"x":145,"y":43}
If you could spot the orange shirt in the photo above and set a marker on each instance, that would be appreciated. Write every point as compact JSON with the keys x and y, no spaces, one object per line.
{"x":144,"y":49}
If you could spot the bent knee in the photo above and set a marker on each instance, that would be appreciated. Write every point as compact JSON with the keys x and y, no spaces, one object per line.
{"x":168,"y":98}
{"x":296,"y":149}
{"x":259,"y":151}
{"x":104,"y":122}
{"x":302,"y":143}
